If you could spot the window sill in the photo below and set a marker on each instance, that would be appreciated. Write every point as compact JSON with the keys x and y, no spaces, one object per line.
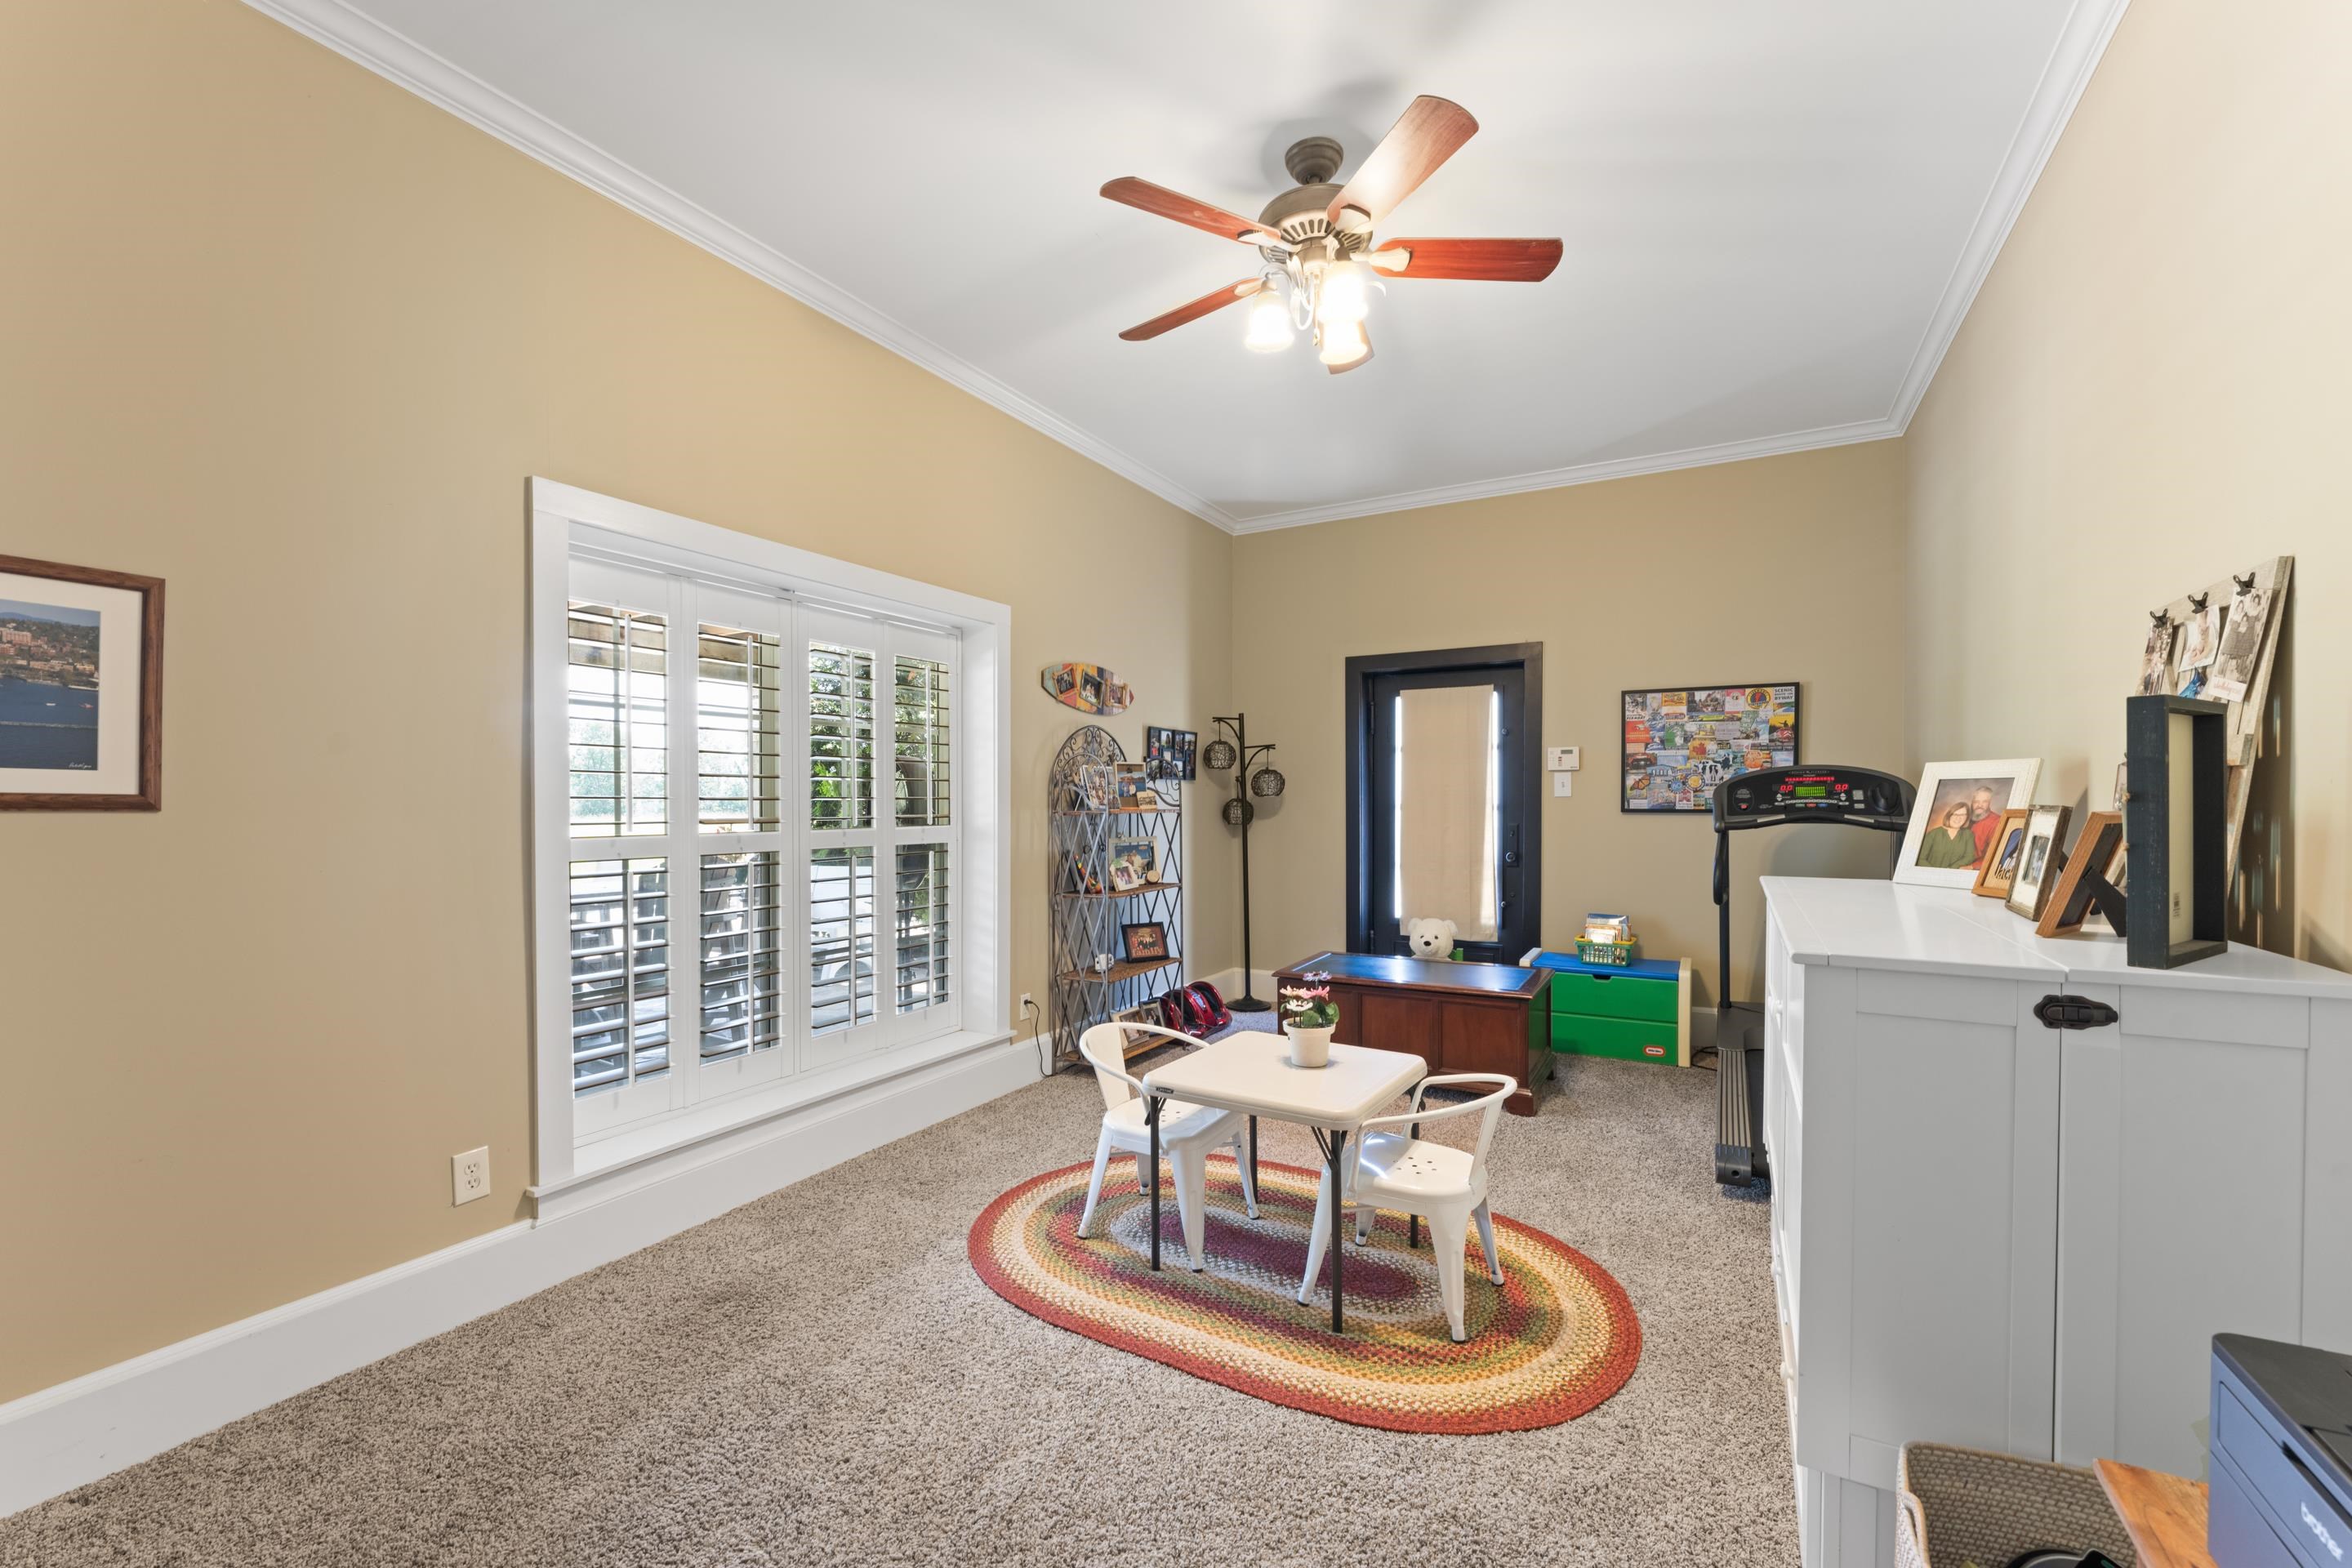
{"x":662,"y":1148}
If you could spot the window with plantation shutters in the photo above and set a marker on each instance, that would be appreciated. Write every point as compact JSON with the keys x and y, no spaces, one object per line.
{"x":763,"y":840}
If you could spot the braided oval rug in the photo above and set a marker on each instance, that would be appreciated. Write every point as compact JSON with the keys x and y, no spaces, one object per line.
{"x":1553,"y":1340}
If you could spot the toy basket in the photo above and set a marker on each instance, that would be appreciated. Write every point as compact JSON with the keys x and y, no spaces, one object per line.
{"x":1958,"y":1506}
{"x":1616,"y":954}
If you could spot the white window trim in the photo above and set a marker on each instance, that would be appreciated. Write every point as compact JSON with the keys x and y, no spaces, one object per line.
{"x":564,"y":518}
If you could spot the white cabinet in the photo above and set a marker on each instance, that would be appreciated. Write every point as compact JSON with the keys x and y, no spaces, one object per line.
{"x":1992,"y":1233}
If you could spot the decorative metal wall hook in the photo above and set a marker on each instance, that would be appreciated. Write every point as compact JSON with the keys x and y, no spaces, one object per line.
{"x":2161,"y":618}
{"x":2245,"y":584}
{"x":2196,"y":602}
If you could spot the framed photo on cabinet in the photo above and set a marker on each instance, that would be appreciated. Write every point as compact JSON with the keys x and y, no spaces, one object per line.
{"x":2042,"y":859}
{"x":1955,"y":818}
{"x":81,"y":689}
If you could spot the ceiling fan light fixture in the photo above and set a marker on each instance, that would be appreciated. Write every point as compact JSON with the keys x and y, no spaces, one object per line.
{"x":1269,"y":322}
{"x":1343,"y":344}
{"x":1345,"y":297}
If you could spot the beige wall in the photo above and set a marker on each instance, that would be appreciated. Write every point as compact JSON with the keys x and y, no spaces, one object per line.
{"x":2150,"y":392}
{"x":291,"y":338}
{"x":1779,"y":569}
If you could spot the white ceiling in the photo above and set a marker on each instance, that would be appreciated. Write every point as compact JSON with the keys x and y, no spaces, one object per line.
{"x":1774,"y":214}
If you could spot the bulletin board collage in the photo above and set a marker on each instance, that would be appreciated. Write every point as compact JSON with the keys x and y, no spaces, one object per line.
{"x":1679,"y":746}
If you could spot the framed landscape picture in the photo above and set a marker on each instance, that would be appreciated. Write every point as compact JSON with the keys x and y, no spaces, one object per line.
{"x":81,"y":689}
{"x":1679,"y":744}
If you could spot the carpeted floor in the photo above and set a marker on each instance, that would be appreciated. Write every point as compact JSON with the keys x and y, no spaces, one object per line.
{"x":820,"y":1378}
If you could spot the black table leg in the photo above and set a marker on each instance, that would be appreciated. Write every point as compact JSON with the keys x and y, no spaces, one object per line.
{"x":1338,"y":1220}
{"x":1412,"y":1221}
{"x":1252,"y":1153}
{"x":1334,"y":1145}
{"x":1151,"y":1103}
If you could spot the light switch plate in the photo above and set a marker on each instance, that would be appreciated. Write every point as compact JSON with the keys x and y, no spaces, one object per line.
{"x":469,"y":1176}
{"x":1562,"y":781}
{"x":1564,"y":759}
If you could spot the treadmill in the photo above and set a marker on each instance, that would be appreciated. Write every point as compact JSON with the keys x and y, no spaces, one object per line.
{"x":1852,"y":797}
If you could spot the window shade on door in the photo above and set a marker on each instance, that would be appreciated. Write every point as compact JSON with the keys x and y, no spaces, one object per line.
{"x":1445,"y":814}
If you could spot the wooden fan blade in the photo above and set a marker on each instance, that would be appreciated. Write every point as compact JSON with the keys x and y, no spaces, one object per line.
{"x":1488,"y":260}
{"x":1214,"y":299}
{"x":1426,"y":134}
{"x":1161,"y":202}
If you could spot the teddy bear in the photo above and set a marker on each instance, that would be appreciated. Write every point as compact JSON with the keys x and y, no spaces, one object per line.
{"x":1427,"y":938}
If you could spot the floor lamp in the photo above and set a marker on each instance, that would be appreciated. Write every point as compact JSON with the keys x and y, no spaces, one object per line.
{"x":1238,"y":755}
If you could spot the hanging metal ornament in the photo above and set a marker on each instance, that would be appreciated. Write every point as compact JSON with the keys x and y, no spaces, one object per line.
{"x":1266,"y":783}
{"x":1219,"y":754}
{"x":1239,"y":813}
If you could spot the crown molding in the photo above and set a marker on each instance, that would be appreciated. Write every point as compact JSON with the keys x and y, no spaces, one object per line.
{"x":1581,"y":474}
{"x":401,"y":60}
{"x":357,"y":37}
{"x":2081,"y":45}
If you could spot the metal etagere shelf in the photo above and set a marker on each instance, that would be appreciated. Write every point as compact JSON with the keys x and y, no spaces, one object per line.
{"x":1085,"y":910}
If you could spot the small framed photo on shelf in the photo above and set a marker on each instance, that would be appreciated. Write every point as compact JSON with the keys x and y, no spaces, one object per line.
{"x":1957,"y":815}
{"x":1133,"y":786}
{"x":2041,"y":860}
{"x":1169,"y":753}
{"x":1097,"y":786}
{"x":1134,"y":863}
{"x":1145,"y":941}
{"x":81,"y":689}
{"x":1999,"y":868}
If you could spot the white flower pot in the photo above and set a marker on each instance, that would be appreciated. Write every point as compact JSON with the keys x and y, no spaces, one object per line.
{"x":1308,"y":1047}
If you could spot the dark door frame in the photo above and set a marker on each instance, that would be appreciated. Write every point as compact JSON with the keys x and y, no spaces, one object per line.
{"x":1527,"y":657}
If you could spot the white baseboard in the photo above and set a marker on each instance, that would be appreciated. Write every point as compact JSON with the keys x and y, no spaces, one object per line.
{"x":1228,"y":983}
{"x":75,"y":1432}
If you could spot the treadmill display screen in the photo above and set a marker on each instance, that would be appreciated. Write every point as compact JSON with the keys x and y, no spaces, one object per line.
{"x":1811,"y":792}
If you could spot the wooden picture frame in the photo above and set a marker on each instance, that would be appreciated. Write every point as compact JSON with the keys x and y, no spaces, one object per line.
{"x":1145,"y":941}
{"x":2040,"y":861}
{"x":78,"y":640}
{"x":2083,"y":883}
{"x":1999,"y":868}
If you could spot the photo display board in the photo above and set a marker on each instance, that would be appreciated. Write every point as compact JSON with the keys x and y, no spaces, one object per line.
{"x":1679,"y":744}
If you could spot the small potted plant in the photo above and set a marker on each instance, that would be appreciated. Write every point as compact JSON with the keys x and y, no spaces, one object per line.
{"x":1309,"y":1016}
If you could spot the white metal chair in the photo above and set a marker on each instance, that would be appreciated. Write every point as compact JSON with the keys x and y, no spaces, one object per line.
{"x":1443,"y":1184}
{"x":1189,"y":1135}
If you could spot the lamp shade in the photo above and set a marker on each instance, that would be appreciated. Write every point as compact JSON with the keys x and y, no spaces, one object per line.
{"x":1239,"y":812}
{"x":1219,"y":754}
{"x":1267,"y":781}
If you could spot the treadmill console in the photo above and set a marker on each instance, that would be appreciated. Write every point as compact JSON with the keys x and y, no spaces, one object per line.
{"x":1861,"y":796}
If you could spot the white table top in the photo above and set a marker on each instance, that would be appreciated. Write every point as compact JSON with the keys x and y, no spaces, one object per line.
{"x":1252,"y":1074}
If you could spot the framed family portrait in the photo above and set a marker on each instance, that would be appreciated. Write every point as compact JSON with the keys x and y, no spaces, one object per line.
{"x":81,"y":689}
{"x":1955,"y":818}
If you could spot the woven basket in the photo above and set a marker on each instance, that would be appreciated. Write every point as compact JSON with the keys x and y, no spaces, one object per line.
{"x":1963,"y":1506}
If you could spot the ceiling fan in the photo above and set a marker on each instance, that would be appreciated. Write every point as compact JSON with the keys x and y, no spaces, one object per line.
{"x":1318,"y":239}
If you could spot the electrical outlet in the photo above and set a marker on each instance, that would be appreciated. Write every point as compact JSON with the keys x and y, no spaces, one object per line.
{"x":469,"y":1176}
{"x":1028,"y":1004}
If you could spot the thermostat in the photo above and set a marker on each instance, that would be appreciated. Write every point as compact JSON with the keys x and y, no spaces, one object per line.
{"x":1563,"y":759}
